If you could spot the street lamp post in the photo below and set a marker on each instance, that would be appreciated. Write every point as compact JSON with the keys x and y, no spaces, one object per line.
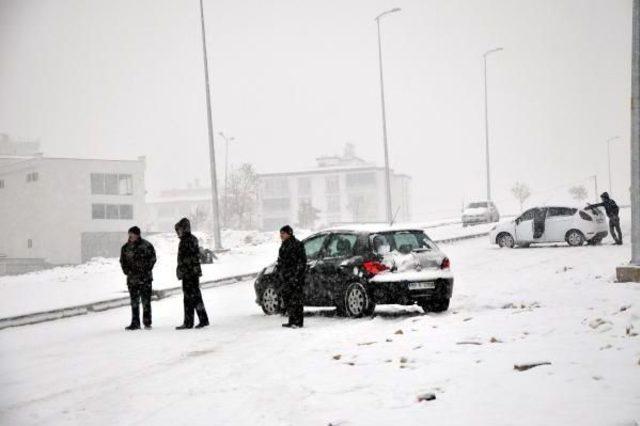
{"x":609,"y":159}
{"x":486,"y":120}
{"x":215,"y":219}
{"x":227,"y":139}
{"x":384,"y":120}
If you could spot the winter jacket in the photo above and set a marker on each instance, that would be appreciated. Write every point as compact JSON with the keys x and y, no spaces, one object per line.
{"x":609,"y":205}
{"x":188,"y":253}
{"x":137,"y":260}
{"x":292,"y":262}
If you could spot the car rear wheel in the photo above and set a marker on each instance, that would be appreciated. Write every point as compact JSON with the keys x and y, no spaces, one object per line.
{"x":271,"y":301}
{"x":506,"y":240}
{"x":438,"y":305}
{"x":575,"y":238}
{"x":356,"y":301}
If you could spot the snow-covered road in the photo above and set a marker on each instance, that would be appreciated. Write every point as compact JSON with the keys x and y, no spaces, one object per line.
{"x":554,"y":304}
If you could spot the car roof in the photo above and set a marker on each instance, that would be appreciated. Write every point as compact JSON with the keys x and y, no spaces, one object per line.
{"x":372,"y":228}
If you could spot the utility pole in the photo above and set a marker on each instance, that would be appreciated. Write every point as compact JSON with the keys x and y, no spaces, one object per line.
{"x":595,"y":188}
{"x":486,"y":120}
{"x":227,"y":139}
{"x":215,"y":212}
{"x":609,"y":159}
{"x":631,"y":272}
{"x":389,"y":213}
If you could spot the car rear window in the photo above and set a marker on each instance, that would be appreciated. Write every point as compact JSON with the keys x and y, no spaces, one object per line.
{"x":476,"y":205}
{"x":403,"y":241}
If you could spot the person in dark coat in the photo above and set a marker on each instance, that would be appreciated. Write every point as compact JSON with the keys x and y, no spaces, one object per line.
{"x":291,"y":267}
{"x":137,"y":258}
{"x":612,"y":210}
{"x":538,"y":223}
{"x":189,"y":272}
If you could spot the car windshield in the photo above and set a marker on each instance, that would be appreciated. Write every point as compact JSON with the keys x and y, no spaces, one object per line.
{"x":476,"y":205}
{"x":402,"y":241}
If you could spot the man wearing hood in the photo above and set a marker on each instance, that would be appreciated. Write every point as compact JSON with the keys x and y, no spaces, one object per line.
{"x":291,"y":267}
{"x":137,"y":258}
{"x":612,"y":210}
{"x":189,"y":272}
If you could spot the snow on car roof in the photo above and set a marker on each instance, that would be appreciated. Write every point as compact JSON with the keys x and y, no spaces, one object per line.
{"x":373,"y":227}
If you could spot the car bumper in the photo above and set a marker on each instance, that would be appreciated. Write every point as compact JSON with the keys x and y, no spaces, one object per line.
{"x":399,"y":292}
{"x":477,"y":219}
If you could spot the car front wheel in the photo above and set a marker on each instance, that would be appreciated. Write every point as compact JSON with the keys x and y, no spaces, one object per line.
{"x":506,"y":240}
{"x":575,"y":238}
{"x":271,"y":301}
{"x":356,"y":301}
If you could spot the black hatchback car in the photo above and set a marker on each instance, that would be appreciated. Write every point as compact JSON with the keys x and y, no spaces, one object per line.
{"x":356,"y":268}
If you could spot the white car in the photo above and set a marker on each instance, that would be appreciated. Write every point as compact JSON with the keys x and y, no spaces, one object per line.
{"x":480,"y":212}
{"x":551,"y":224}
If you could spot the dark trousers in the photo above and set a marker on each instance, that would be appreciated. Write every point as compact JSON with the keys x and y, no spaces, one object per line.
{"x":140,"y":290}
{"x":193,"y":301}
{"x":294,"y":301}
{"x":614,"y":227}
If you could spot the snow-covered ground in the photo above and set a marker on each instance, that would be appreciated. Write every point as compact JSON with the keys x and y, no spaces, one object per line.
{"x":549,"y":304}
{"x":102,"y":279}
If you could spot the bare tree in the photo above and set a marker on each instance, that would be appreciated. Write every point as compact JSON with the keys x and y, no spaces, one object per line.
{"x":578,"y":192}
{"x":198,"y":217}
{"x":521,"y":192}
{"x":241,"y":198}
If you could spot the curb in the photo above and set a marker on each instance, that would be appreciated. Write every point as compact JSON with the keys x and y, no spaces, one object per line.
{"x":105,"y":305}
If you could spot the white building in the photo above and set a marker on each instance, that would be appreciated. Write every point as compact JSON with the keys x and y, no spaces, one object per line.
{"x":343,"y":189}
{"x":66,"y":210}
{"x":171,"y":205}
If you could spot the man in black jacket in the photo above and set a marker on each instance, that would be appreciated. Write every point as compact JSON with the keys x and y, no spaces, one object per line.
{"x":612,"y":210}
{"x":137,"y":258}
{"x":189,"y":272}
{"x":291,"y":267}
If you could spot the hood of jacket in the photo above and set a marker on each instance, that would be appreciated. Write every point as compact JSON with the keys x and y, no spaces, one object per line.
{"x":184,"y":225}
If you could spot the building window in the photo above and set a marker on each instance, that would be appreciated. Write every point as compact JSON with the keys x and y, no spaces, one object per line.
{"x":29,"y":243}
{"x":333,"y":184}
{"x":32,"y":177}
{"x":276,"y":205}
{"x":304,"y":187}
{"x":112,"y":211}
{"x":357,"y":181}
{"x":1,"y":183}
{"x":333,"y":203}
{"x":276,"y":186}
{"x":111,"y":184}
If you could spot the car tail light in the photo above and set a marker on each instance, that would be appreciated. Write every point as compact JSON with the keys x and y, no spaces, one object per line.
{"x":374,"y":267}
{"x":446,"y":264}
{"x":585,"y":216}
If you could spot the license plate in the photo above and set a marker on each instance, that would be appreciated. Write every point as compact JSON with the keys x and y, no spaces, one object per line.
{"x":422,"y":286}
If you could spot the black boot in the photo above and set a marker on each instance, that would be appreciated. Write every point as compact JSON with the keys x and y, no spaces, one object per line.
{"x":133,"y":327}
{"x":184,"y":327}
{"x":202,"y":324}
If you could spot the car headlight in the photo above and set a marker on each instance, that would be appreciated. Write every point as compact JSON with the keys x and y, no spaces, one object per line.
{"x":494,"y":227}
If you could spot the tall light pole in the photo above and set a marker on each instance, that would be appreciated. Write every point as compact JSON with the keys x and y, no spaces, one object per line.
{"x":384,"y":120}
{"x":631,"y":272}
{"x":486,"y":119}
{"x":227,"y":139}
{"x":215,"y":212}
{"x":609,"y":158}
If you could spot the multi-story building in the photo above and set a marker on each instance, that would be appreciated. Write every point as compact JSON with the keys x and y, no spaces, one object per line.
{"x":66,"y":210}
{"x":341,"y":189}
{"x":170,"y":205}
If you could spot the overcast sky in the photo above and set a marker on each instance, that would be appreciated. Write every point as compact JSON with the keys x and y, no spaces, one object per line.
{"x":296,"y":79}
